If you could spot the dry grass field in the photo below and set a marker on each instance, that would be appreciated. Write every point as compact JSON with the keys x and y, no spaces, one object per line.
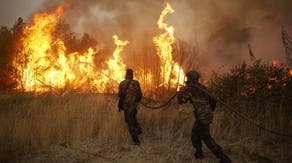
{"x":85,"y":127}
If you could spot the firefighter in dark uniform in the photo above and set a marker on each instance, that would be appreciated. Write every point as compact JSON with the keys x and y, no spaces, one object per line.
{"x":204,"y":105}
{"x":129,"y":96}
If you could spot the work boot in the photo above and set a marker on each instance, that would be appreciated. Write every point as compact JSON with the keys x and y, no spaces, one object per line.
{"x":138,"y":131}
{"x":199,"y":154}
{"x":137,"y":142}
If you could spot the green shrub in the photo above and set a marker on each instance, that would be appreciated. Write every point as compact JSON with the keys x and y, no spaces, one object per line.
{"x":257,"y":86}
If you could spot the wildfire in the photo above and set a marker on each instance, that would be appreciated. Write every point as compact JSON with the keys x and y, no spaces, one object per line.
{"x":116,"y":67}
{"x":171,"y":73}
{"x":279,"y":75}
{"x":43,"y":65}
{"x":44,"y":68}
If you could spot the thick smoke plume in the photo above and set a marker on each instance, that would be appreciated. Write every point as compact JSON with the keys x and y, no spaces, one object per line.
{"x":220,"y":30}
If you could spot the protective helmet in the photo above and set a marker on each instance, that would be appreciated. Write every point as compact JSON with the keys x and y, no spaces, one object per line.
{"x":129,"y":71}
{"x":193,"y":75}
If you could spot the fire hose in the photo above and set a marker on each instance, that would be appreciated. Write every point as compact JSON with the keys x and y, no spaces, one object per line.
{"x":222,"y":102}
{"x":245,"y":117}
{"x":229,"y":108}
{"x":160,"y":106}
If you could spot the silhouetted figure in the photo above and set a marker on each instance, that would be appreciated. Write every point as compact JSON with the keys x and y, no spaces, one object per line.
{"x":204,"y":105}
{"x":129,"y":96}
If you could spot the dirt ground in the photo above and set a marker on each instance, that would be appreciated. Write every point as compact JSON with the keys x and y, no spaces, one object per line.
{"x":88,"y":128}
{"x":152,"y":151}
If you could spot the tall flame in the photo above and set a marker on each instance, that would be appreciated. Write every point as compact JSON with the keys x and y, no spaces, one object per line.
{"x":43,"y":64}
{"x":110,"y":76}
{"x":44,"y":68}
{"x":116,"y":67}
{"x":171,"y":73}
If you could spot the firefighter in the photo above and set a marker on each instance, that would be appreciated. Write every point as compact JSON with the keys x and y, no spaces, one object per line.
{"x":204,"y":105}
{"x":129,"y":96}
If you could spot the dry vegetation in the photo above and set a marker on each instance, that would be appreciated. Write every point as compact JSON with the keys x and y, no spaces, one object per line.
{"x":88,"y":128}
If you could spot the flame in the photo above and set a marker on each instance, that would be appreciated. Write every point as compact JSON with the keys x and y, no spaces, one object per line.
{"x":171,"y":73}
{"x":44,"y":68}
{"x":43,"y":64}
{"x":290,"y":72}
{"x":115,"y":64}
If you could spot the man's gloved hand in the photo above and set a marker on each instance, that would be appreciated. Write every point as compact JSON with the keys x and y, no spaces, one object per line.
{"x":184,"y":96}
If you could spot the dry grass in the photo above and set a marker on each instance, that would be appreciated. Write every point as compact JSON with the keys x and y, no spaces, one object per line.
{"x":30,"y":123}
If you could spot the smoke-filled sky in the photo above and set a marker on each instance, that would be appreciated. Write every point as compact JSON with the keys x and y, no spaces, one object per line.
{"x":221,"y":30}
{"x":11,"y":10}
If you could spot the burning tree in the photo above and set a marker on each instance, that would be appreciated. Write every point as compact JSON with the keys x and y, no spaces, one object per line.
{"x":50,"y":58}
{"x":9,"y":39}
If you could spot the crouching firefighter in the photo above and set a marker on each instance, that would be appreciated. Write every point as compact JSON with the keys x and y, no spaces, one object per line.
{"x":129,"y":96}
{"x":204,"y":105}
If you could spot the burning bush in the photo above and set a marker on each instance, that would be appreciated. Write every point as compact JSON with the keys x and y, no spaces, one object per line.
{"x":262,"y":92}
{"x":258,"y":85}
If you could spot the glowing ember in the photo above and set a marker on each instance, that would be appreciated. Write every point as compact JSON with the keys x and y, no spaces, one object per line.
{"x":171,"y":73}
{"x":274,"y":63}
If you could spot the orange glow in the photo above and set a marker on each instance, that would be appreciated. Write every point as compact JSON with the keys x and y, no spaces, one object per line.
{"x":274,"y":63}
{"x":116,"y":69}
{"x":43,"y":65}
{"x":44,"y":69}
{"x":171,"y":73}
{"x":272,"y":78}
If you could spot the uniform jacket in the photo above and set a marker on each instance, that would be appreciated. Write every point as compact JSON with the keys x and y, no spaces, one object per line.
{"x":131,"y":95}
{"x":203,"y":103}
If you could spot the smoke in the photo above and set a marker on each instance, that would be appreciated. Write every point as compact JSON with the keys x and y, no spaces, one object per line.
{"x":221,"y":30}
{"x":11,"y":10}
